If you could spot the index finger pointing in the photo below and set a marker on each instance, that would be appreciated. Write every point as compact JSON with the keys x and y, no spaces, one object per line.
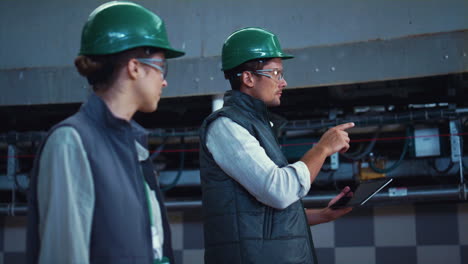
{"x":345,"y":126}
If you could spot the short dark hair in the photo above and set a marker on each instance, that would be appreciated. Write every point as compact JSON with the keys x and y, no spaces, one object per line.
{"x":251,"y":65}
{"x":101,"y":70}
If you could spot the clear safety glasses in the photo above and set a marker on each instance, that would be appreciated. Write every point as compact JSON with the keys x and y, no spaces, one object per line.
{"x":279,"y":75}
{"x":151,"y":62}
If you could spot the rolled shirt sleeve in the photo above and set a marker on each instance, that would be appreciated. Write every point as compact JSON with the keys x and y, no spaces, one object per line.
{"x":65,"y":193}
{"x":240,"y":155}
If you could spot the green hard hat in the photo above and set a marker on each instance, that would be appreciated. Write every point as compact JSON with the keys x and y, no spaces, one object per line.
{"x":117,"y":26}
{"x":248,"y":44}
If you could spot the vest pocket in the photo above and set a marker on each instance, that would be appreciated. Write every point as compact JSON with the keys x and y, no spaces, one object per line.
{"x":267,"y":222}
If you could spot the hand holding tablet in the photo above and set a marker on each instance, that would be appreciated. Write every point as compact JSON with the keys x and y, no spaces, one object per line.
{"x":364,"y":192}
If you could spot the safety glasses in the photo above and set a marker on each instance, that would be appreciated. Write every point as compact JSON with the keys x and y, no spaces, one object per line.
{"x":278,"y":75}
{"x":151,"y":62}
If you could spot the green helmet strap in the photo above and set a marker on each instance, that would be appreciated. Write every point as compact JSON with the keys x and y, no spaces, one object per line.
{"x":248,"y":44}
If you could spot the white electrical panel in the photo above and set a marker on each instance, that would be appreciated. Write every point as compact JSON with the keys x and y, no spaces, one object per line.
{"x":426,"y":142}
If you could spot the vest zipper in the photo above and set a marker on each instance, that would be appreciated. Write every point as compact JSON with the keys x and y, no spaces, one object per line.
{"x":310,"y":241}
{"x":142,"y":193}
{"x":267,"y":223}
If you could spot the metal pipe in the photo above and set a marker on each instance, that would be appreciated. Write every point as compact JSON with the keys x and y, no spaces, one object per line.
{"x":8,"y":183}
{"x":13,"y":210}
{"x":11,"y":170}
{"x":180,"y":205}
{"x":414,"y":194}
{"x":447,"y":193}
{"x":463,"y":192}
{"x":31,"y":136}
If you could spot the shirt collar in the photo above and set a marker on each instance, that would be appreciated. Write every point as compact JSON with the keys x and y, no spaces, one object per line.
{"x":142,"y":152}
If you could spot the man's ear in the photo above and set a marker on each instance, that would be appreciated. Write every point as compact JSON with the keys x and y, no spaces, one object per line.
{"x":247,"y":79}
{"x":133,"y":69}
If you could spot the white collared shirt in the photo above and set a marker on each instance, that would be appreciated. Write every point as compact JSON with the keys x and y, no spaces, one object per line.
{"x":240,"y":155}
{"x":67,"y":215}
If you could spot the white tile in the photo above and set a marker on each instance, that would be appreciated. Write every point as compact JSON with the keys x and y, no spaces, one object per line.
{"x":463,"y":223}
{"x":361,"y":255}
{"x":14,"y":234}
{"x":193,"y":256}
{"x":323,"y":235}
{"x":438,"y":254}
{"x":395,"y":226}
{"x":176,"y":221}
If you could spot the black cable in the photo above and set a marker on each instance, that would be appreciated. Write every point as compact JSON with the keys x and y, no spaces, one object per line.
{"x":18,"y":185}
{"x":357,"y":151}
{"x":158,"y":150}
{"x":330,"y":175}
{"x":397,"y":163}
{"x":325,"y":169}
{"x":433,"y":164}
{"x":181,"y":168}
{"x":366,"y":151}
{"x":335,"y":183}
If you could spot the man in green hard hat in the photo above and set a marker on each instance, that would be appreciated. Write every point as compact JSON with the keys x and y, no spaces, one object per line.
{"x":252,"y":205}
{"x":94,"y":197}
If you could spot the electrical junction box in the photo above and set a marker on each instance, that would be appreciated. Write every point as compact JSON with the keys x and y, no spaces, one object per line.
{"x":426,"y":142}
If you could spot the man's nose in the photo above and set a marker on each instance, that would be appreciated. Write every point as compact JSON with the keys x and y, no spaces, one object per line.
{"x":283,"y":83}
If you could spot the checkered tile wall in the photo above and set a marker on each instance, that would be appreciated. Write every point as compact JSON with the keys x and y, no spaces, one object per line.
{"x":404,"y":234}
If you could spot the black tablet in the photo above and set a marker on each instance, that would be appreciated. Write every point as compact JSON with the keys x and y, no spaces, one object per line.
{"x":363,"y":193}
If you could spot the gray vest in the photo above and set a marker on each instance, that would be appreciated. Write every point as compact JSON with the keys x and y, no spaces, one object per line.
{"x":237,"y":227}
{"x":121,"y":232}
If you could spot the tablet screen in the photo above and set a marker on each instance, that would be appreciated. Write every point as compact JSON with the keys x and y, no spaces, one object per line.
{"x":363,"y":193}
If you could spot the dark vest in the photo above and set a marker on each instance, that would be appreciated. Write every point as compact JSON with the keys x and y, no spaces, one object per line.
{"x":120,"y":231}
{"x":238,"y":228}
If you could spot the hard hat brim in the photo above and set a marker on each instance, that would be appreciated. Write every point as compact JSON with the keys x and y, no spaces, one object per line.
{"x":173,"y":53}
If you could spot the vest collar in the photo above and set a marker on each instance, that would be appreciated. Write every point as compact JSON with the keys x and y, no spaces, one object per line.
{"x":255,"y":106}
{"x":246,"y":103}
{"x":96,"y":109}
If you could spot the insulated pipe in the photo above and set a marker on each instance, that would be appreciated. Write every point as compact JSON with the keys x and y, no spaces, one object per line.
{"x":383,"y":119}
{"x":294,"y":125}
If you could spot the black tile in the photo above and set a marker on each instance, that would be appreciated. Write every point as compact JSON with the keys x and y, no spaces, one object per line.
{"x":2,"y":232}
{"x":14,"y":258}
{"x":193,"y":230}
{"x":464,"y":254}
{"x":325,"y":255}
{"x":355,"y":229}
{"x":392,"y":255}
{"x":178,"y":256}
{"x":436,"y":224}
